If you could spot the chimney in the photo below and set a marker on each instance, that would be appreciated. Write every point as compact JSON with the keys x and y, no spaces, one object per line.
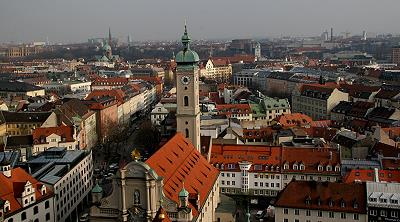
{"x":376,"y":175}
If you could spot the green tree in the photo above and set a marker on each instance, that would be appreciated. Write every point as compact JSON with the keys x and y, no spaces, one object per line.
{"x":147,"y":137}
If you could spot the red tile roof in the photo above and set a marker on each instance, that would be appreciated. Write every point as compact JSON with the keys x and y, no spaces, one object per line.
{"x":110,"y":81}
{"x":320,"y":194}
{"x":233,"y":154}
{"x":117,"y":93}
{"x":179,"y":162}
{"x":364,"y":175}
{"x":229,"y":109}
{"x":311,"y":158}
{"x":43,"y":132}
{"x":327,"y":87}
{"x":11,"y":188}
{"x":293,"y":119}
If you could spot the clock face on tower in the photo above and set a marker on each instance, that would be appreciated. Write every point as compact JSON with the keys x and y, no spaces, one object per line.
{"x":185,"y":80}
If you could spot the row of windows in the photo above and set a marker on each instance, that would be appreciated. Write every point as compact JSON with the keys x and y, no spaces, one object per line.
{"x":319,"y":214}
{"x":384,"y":213}
{"x":261,"y":184}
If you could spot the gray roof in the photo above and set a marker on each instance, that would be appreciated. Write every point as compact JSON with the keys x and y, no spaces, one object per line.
{"x":10,"y":86}
{"x":26,"y":117}
{"x":51,"y":165}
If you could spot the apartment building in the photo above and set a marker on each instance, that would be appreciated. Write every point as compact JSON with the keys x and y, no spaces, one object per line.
{"x":265,"y":170}
{"x":69,"y":174}
{"x":321,"y":201}
{"x":317,"y":100}
{"x":47,"y":137}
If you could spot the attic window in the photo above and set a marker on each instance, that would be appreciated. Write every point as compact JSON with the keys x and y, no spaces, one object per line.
{"x":342,"y":204}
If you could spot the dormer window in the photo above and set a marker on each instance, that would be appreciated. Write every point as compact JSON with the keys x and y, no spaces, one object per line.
{"x":329,"y":168}
{"x":308,"y":200}
{"x":320,"y":168}
{"x":337,"y":168}
{"x":6,"y":206}
{"x":382,"y":200}
{"x":331,"y":203}
{"x":319,"y":201}
{"x":286,"y":166}
{"x":302,"y":167}
{"x":355,"y":205}
{"x":295,"y":167}
{"x":222,"y":166}
{"x":342,"y":204}
{"x":43,"y":190}
{"x":266,"y":167}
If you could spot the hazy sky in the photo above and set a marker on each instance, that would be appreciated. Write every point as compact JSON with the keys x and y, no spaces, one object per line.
{"x":78,"y":20}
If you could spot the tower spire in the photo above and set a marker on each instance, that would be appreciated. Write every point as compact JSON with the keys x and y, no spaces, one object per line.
{"x":185,"y":39}
{"x":109,"y":36}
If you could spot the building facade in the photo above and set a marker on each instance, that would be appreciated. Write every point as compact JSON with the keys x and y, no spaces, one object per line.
{"x":317,"y":100}
{"x":69,"y":174}
{"x":383,"y":201}
{"x":321,"y":201}
{"x":23,"y":198}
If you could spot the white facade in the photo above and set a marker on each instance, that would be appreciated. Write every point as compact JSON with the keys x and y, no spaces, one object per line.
{"x":72,"y":188}
{"x":248,"y":182}
{"x":53,"y":140}
{"x":158,"y":114}
{"x":35,"y":212}
{"x":303,"y":215}
{"x":80,"y":86}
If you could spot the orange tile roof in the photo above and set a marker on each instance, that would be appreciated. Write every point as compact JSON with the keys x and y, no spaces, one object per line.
{"x":293,"y":119}
{"x":43,"y":132}
{"x":232,"y":154}
{"x":364,"y":175}
{"x":392,"y":132}
{"x":11,"y":188}
{"x":178,"y":162}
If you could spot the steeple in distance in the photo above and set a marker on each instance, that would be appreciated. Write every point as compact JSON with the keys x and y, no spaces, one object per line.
{"x":109,"y":36}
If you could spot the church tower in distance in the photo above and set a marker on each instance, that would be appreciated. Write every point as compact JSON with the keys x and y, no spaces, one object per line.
{"x":187,"y":92}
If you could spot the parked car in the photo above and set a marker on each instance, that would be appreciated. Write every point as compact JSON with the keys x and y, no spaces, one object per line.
{"x":260,"y":214}
{"x":84,"y":217}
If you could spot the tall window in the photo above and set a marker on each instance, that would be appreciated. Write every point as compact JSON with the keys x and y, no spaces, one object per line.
{"x":186,"y":101}
{"x":187,"y":132}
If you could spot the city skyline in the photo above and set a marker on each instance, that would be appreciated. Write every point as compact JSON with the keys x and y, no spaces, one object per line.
{"x":76,"y":22}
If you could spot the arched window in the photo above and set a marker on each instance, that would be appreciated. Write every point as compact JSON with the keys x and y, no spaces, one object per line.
{"x":186,"y":101}
{"x":187,"y":132}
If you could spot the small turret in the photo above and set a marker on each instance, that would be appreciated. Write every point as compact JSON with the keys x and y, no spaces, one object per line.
{"x":183,"y":197}
{"x":97,"y":193}
{"x":5,"y":168}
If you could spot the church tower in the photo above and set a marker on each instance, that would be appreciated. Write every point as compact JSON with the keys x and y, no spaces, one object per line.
{"x":187,"y":92}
